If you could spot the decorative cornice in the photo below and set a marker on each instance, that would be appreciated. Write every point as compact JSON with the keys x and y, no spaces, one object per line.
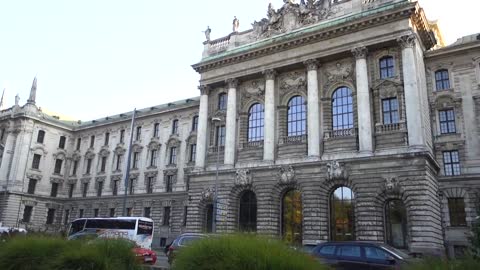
{"x":406,"y":41}
{"x":270,"y":74}
{"x":360,"y":52}
{"x":232,"y":83}
{"x":311,"y":64}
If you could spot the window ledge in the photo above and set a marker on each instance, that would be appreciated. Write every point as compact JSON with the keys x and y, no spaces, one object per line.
{"x":444,"y":90}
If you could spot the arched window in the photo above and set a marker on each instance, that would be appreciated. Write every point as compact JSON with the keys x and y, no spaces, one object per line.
{"x":342,"y":214}
{"x":342,"y":108}
{"x":292,"y":217}
{"x":387,"y":67}
{"x":255,"y":122}
{"x":396,"y":220}
{"x":208,"y":218}
{"x":442,"y":80}
{"x":297,"y":116}
{"x":222,"y":101}
{"x":248,"y":212}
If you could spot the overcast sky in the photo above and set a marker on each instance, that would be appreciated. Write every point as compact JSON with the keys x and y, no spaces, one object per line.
{"x":95,"y":58}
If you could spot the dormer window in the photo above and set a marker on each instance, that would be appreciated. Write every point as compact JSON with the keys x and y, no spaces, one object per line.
{"x":442,"y":80}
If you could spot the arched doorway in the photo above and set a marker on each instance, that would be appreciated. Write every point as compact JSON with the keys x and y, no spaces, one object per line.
{"x":342,"y":214}
{"x":208,"y":218}
{"x":248,"y":212}
{"x":292,"y":217}
{"x":396,"y":224}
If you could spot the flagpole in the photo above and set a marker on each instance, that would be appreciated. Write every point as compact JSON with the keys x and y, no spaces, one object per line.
{"x":127,"y":169}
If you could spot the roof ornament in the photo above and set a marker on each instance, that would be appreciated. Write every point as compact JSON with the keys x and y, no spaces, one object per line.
{"x":33,"y":92}
{"x":207,"y":33}
{"x":236,"y":24}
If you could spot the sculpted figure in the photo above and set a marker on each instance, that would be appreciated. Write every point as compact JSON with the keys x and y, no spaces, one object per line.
{"x":243,"y":177}
{"x":286,"y":175}
{"x":236,"y":24}
{"x":336,"y":171}
{"x":207,"y":33}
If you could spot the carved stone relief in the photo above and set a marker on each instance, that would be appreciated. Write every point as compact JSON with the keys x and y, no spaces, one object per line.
{"x":243,"y":178}
{"x":252,"y":90}
{"x":339,"y":72}
{"x":292,"y":81}
{"x":207,"y":194}
{"x":336,"y":171}
{"x":392,"y":186}
{"x":286,"y":175}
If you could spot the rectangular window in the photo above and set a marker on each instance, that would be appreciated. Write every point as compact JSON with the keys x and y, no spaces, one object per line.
{"x":61,"y":143}
{"x":195,"y":123}
{"x":36,"y":161}
{"x":173,"y":156}
{"x":193,"y":152}
{"x":118,"y":167}
{"x":32,"y":184}
{"x":41,"y":136}
{"x":169,"y":183}
{"x":115,"y":188}
{"x":451,"y":163}
{"x":175,"y":127}
{"x":163,"y":242}
{"x":74,"y":167}
{"x":156,"y":130}
{"x":95,"y":212}
{"x":146,"y":212}
{"x":456,"y":207}
{"x":185,"y":212}
{"x":442,"y":80}
{"x":27,"y":213}
{"x":80,"y":213}
{"x":220,"y":136}
{"x":166,"y":216}
{"x":107,"y":139}
{"x":447,"y":121}
{"x":100,"y":189}
{"x":138,"y":136}
{"x":136,"y":157}
{"x":129,"y":212}
{"x":387,"y":67}
{"x":153,"y":158}
{"x":150,"y":185}
{"x":390,"y":111}
{"x":92,"y":141}
{"x":58,"y":166}
{"x":131,"y":187}
{"x":85,"y":190}
{"x":50,"y":216}
{"x":89,"y":166}
{"x":70,"y":190}
{"x":79,"y":143}
{"x":122,"y":136}
{"x":66,"y":218}
{"x":112,"y":212}
{"x":54,"y":190}
{"x":103,"y":164}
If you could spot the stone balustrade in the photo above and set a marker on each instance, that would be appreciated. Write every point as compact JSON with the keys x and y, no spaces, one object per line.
{"x":349,"y":132}
{"x":219,"y":45}
{"x":388,"y":128}
{"x":287,"y":140}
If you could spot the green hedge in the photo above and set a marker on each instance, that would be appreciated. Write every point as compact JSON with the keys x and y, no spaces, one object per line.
{"x":47,"y":253}
{"x":242,"y":252}
{"x":467,"y":263}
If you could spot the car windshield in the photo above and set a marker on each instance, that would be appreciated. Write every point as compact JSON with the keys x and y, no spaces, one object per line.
{"x":187,"y":240}
{"x":397,"y":252}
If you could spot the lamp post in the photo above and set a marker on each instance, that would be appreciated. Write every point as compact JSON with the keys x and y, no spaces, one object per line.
{"x":215,"y":195}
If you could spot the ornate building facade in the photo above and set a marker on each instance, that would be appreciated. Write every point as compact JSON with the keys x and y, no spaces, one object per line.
{"x":328,"y":120}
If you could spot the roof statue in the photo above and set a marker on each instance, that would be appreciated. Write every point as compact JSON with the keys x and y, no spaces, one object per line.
{"x":33,"y":92}
{"x":236,"y":24}
{"x":17,"y":100}
{"x":207,"y":33}
{"x":1,"y":100}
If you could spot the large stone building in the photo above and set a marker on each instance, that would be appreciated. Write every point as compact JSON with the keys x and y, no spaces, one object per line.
{"x":329,"y":120}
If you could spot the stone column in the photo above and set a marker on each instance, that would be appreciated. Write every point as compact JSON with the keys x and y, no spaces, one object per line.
{"x":7,"y":155}
{"x":363,"y":102}
{"x":313,"y":109}
{"x":202,"y":128}
{"x":231,"y":123}
{"x":269,"y":139}
{"x":411,"y":89}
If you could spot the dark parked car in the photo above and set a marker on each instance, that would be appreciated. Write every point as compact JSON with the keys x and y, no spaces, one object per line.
{"x":361,"y":256}
{"x":180,"y":242}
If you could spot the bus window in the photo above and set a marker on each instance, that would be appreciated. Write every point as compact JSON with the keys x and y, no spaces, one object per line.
{"x":76,"y":226}
{"x":119,"y":224}
{"x":145,"y":227}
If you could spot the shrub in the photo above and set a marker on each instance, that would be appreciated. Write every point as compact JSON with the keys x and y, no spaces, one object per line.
{"x":468,"y":263}
{"x":242,"y":252}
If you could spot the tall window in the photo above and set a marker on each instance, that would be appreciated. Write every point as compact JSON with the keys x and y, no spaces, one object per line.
{"x":32,"y":184}
{"x":173,"y":155}
{"x":255,"y":122}
{"x":396,"y":219}
{"x":156,"y":130}
{"x":71,"y":188}
{"x":41,"y":136}
{"x":442,"y":80}
{"x":456,"y":208}
{"x":185,"y":214}
{"x":342,"y":214}
{"x":447,"y":121}
{"x":27,"y":213}
{"x":74,"y":167}
{"x":129,"y":211}
{"x":36,"y":161}
{"x":50,"y":216}
{"x":136,"y":158}
{"x":138,"y":135}
{"x":297,"y":116}
{"x":390,"y":111}
{"x":451,"y":163}
{"x":248,"y":212}
{"x":146,"y":212}
{"x":222,"y":101}
{"x":208,"y":218}
{"x":193,"y":152}
{"x":195,"y":123}
{"x":342,"y":109}
{"x":107,"y":138}
{"x":292,"y":217}
{"x":54,"y":190}
{"x":61,"y":143}
{"x":150,"y":185}
{"x":131,"y":187}
{"x":220,"y":136}
{"x":115,"y":187}
{"x":118,"y":167}
{"x":80,"y":213}
{"x":95,"y":212}
{"x":166,"y":216}
{"x":92,"y":141}
{"x":387,"y":67}
{"x":89,"y":166}
{"x":99,"y":189}
{"x":169,"y":183}
{"x":66,"y":219}
{"x":112,"y":212}
{"x":175,"y":127}
{"x":103,"y":164}
{"x":153,"y":158}
{"x":58,"y":166}
{"x":122,"y":136}
{"x":85,"y":190}
{"x":79,"y":143}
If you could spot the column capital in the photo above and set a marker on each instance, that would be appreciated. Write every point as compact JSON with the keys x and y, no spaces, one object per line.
{"x":406,"y":41}
{"x":311,"y":64}
{"x":232,"y":82}
{"x":360,"y":52}
{"x":270,"y":74}
{"x":204,"y":89}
